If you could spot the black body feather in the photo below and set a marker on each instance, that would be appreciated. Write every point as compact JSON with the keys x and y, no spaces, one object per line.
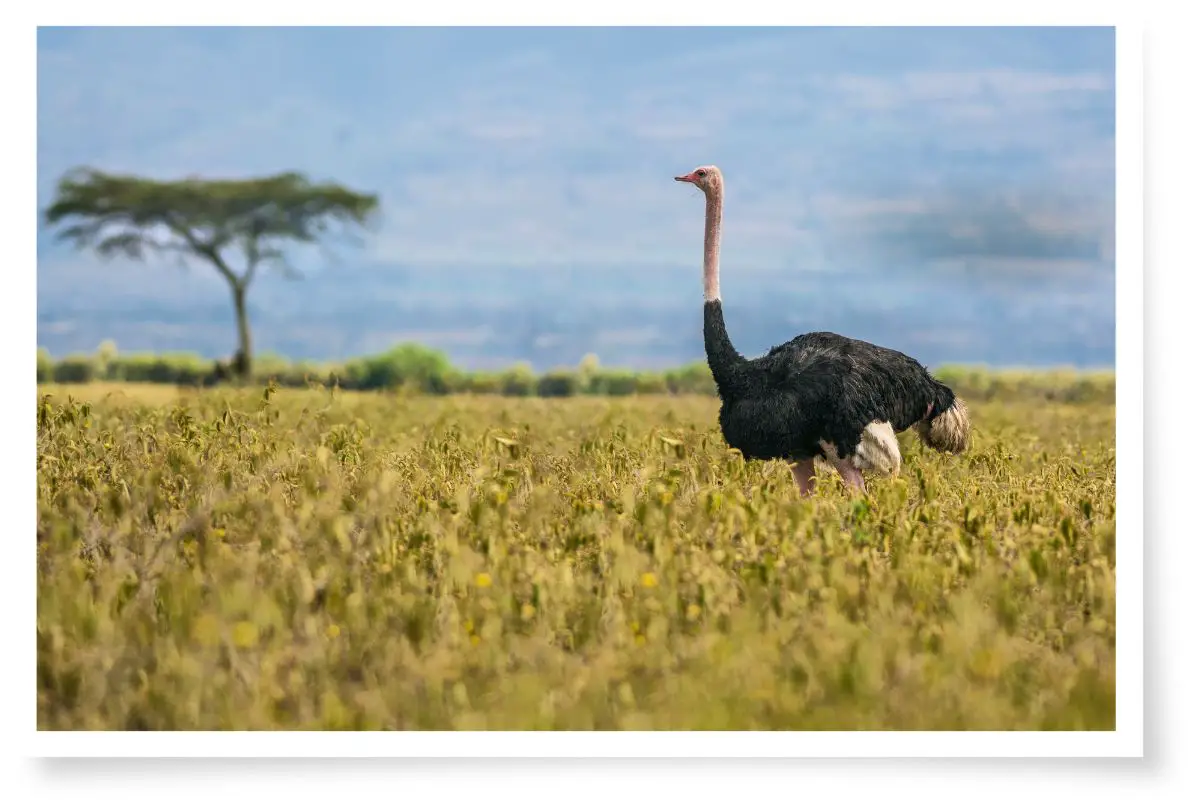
{"x":818,"y":386}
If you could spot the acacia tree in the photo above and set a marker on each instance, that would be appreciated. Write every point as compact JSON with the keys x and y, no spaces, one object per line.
{"x":210,"y":220}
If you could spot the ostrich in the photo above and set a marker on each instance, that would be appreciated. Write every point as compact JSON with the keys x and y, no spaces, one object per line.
{"x":821,"y":395}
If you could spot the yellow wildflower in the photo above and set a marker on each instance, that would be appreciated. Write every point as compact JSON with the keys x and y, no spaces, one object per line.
{"x":245,"y":634}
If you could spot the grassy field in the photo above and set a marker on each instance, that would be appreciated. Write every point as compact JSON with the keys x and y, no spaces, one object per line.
{"x":230,"y":559}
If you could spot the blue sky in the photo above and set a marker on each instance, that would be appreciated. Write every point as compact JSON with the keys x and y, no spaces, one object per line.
{"x":876,"y":178}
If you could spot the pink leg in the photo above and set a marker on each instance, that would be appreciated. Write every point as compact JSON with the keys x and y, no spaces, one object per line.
{"x":851,"y":475}
{"x":805,"y":474}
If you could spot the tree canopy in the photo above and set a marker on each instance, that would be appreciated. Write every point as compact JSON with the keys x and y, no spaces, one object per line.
{"x":131,"y":216}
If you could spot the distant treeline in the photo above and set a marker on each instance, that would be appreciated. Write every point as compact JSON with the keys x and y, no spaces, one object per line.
{"x":418,"y":369}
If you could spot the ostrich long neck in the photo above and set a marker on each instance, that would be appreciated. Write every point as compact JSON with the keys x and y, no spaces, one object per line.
{"x":723,"y":359}
{"x":712,"y":245}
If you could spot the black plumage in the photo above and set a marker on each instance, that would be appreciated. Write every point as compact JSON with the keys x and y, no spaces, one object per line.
{"x":820,"y":395}
{"x":817,"y":387}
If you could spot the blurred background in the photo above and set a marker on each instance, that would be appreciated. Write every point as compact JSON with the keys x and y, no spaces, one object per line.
{"x":948,"y":192}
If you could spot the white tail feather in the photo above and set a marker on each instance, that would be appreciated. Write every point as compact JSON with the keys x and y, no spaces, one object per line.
{"x":878,"y":450}
{"x":949,"y":431}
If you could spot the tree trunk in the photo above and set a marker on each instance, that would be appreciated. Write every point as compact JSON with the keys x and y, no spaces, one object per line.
{"x":241,"y":360}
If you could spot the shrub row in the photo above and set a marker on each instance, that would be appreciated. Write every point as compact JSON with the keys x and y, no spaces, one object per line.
{"x":408,"y":367}
{"x":417,"y":369}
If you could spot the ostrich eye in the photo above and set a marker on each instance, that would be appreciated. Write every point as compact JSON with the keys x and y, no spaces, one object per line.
{"x":700,"y":173}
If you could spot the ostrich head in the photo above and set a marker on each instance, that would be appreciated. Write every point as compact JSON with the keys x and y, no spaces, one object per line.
{"x":706,"y":179}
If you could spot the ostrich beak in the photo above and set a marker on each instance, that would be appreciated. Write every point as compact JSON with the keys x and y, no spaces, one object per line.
{"x":685,"y":178}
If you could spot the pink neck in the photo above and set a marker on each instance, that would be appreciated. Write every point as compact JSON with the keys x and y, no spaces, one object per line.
{"x":712,"y":245}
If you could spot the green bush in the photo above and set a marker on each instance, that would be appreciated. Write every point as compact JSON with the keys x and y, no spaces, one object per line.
{"x":297,"y":374}
{"x":615,"y":383}
{"x":691,"y":379}
{"x":518,"y":381}
{"x":479,"y":383}
{"x":272,"y":366}
{"x":75,"y":369}
{"x":407,"y":364}
{"x":45,"y":366}
{"x":649,"y":383}
{"x":178,"y":368}
{"x":559,"y":383}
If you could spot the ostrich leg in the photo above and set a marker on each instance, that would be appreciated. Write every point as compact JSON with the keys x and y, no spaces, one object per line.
{"x":851,"y":475}
{"x":805,"y":474}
